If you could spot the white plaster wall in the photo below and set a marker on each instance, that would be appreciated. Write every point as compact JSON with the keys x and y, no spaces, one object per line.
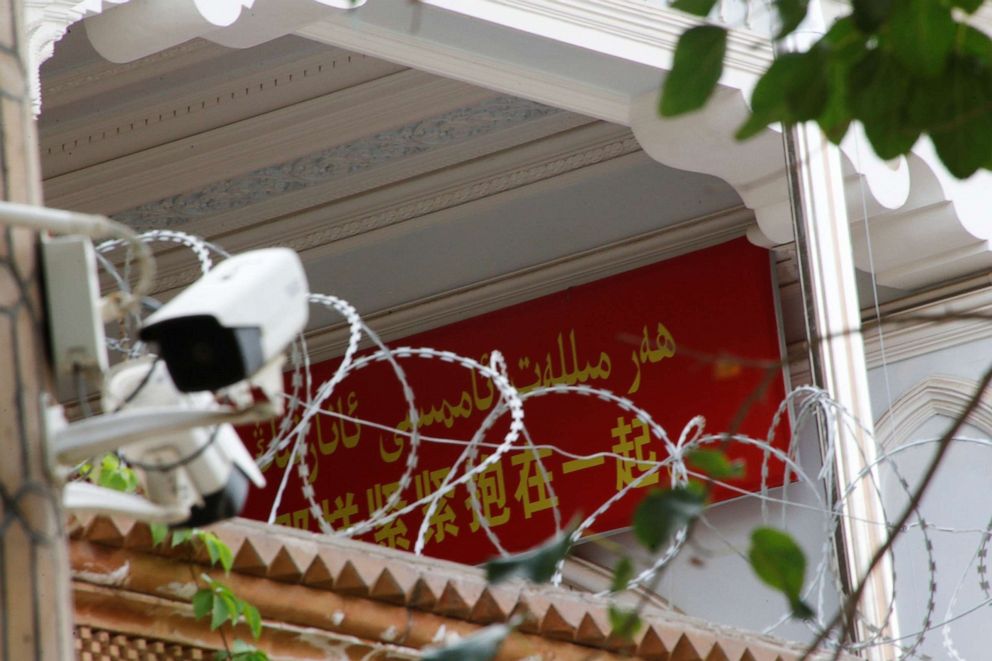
{"x":957,"y":508}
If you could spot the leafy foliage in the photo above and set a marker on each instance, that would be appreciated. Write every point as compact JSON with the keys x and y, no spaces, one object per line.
{"x":780,"y":563}
{"x":903,"y":68}
{"x":624,"y":622}
{"x":222,"y":605}
{"x":241,"y":651}
{"x":716,"y":464}
{"x":537,"y":564}
{"x":623,"y":573}
{"x":112,"y":473}
{"x":695,"y":71}
{"x":662,"y":513}
{"x":217,"y":600}
{"x":695,"y":7}
{"x":159,"y":532}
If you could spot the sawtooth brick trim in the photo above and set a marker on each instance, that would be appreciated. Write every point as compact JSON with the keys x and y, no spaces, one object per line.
{"x":342,"y":592}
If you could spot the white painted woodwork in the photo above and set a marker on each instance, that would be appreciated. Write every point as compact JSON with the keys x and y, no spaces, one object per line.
{"x":601,"y":58}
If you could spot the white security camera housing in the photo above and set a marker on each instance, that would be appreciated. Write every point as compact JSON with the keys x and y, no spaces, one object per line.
{"x":227,"y":325}
{"x":204,"y":471}
{"x":194,"y":467}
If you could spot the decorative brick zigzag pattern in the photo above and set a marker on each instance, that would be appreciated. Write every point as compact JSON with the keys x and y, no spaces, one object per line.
{"x":310,"y":580}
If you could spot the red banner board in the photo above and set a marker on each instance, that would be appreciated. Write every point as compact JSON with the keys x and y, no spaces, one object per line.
{"x":648,"y":335}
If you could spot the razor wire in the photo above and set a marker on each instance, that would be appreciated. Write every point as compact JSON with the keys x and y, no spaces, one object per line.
{"x":805,"y":405}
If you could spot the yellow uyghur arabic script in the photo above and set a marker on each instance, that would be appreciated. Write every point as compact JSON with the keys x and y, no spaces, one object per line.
{"x":563,"y":368}
{"x":650,"y":353}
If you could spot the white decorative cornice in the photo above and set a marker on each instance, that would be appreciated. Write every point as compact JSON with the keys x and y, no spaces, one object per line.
{"x":142,"y":28}
{"x":71,"y":140}
{"x":47,"y":21}
{"x":100,"y":76}
{"x":123,"y":31}
{"x":504,"y":76}
{"x":936,"y":395}
{"x":923,"y":227}
{"x":632,"y":30}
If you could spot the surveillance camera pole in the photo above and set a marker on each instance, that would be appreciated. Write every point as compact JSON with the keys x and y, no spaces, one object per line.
{"x":35,"y":606}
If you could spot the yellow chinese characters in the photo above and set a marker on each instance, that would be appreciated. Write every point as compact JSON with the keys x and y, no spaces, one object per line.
{"x":442,"y":522}
{"x":533,"y":488}
{"x":392,"y":533}
{"x":490,"y":492}
{"x":630,"y":446}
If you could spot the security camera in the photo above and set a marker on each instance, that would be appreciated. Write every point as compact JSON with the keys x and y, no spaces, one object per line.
{"x":229,"y":328}
{"x":204,"y":470}
{"x":228,"y":324}
{"x":192,"y":475}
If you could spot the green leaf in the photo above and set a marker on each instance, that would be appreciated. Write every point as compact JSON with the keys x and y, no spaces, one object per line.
{"x":890,"y":138}
{"x":159,"y":532}
{"x":203,"y":602}
{"x":768,"y":103}
{"x":809,"y":87}
{"x":869,"y":15}
{"x":974,"y":43}
{"x":480,"y":646}
{"x":791,"y":13}
{"x":878,"y":93}
{"x":212,"y":549}
{"x":216,"y":549}
{"x":716,"y":464}
{"x":226,"y":556}
{"x":844,"y":40}
{"x":695,"y":7}
{"x":696,"y":70}
{"x":836,"y":118}
{"x":921,"y":35}
{"x":963,"y":134}
{"x":781,"y":564}
{"x":242,"y":651}
{"x":252,"y":618}
{"x":623,"y":573}
{"x":969,"y":6}
{"x":225,"y":608}
{"x":181,"y":536}
{"x":115,"y":475}
{"x":537,"y":564}
{"x":241,"y":647}
{"x":624,"y":622}
{"x":662,"y":513}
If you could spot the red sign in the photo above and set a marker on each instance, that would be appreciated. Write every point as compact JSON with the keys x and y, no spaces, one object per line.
{"x":649,"y":335}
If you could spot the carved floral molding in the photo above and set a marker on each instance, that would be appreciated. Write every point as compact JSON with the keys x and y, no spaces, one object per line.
{"x":321,"y":167}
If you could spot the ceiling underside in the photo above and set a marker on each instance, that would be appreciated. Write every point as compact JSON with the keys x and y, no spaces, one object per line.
{"x":415,"y":197}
